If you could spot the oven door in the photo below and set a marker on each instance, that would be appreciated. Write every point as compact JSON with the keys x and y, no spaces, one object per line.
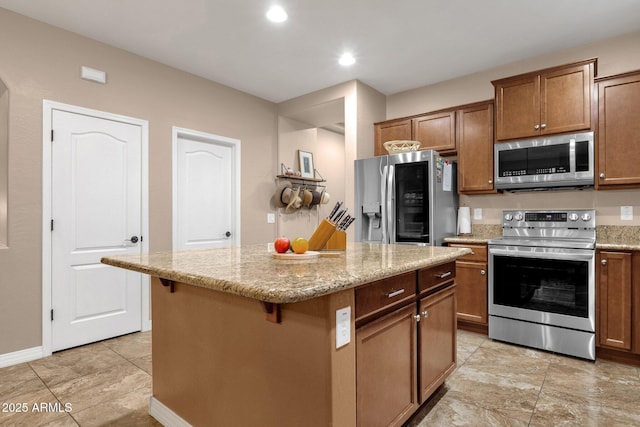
{"x":550,"y":286}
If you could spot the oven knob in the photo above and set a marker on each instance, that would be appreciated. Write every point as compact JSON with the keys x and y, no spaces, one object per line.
{"x":586,"y":217}
{"x":573,"y":216}
{"x":519,"y":217}
{"x":508,"y":217}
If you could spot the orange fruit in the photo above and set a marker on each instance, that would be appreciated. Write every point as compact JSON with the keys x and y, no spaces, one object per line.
{"x":299,"y":245}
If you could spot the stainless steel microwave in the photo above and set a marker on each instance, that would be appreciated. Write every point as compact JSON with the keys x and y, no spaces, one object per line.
{"x":544,"y":163}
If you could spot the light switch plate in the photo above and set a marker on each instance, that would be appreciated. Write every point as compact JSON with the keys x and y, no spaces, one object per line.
{"x":271,"y":218}
{"x":477,"y":213}
{"x":626,"y":213}
{"x":343,"y":326}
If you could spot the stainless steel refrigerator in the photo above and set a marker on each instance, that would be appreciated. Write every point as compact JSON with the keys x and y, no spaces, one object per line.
{"x":406,"y":198}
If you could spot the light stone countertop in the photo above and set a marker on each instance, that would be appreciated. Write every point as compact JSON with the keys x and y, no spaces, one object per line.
{"x":480,"y":233}
{"x":252,"y":272}
{"x":613,"y":237}
{"x":608,"y":237}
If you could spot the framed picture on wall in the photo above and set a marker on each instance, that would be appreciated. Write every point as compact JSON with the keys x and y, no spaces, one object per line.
{"x":305,"y":161}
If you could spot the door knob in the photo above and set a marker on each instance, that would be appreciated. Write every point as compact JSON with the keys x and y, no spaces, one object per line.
{"x":228,"y":234}
{"x":603,"y":262}
{"x":133,"y":239}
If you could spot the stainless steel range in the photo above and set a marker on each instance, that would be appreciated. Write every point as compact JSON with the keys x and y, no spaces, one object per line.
{"x":542,"y":281}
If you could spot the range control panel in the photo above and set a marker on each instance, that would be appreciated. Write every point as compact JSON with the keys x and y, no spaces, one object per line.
{"x":581,"y":218}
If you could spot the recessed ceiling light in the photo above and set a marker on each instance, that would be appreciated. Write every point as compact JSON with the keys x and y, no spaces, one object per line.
{"x":347,"y":59}
{"x":276,"y":14}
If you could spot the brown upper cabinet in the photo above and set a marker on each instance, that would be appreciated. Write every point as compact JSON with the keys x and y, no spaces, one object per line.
{"x":390,"y":130}
{"x":618,"y":131}
{"x":465,"y":130}
{"x":475,"y":148}
{"x":545,"y":102}
{"x":435,"y":131}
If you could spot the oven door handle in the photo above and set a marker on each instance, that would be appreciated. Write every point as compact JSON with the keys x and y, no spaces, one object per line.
{"x":543,"y":253}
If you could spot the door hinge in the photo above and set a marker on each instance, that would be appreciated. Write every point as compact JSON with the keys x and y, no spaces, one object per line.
{"x":51,"y":135}
{"x":51,"y":225}
{"x":52,"y":314}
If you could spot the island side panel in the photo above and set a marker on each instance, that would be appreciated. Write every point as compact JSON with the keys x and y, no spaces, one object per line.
{"x":217,"y":361}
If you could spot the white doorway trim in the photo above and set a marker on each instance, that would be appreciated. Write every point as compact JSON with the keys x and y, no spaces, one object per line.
{"x":234,"y":144}
{"x":47,"y":109}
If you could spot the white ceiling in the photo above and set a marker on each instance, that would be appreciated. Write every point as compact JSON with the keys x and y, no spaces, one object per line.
{"x":398,"y":44}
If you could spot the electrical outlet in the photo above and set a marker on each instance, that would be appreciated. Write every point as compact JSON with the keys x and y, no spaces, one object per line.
{"x":626,"y":213}
{"x":271,"y":218}
{"x":477,"y":213}
{"x":343,"y":326}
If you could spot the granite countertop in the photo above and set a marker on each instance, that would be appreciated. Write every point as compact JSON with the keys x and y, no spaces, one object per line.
{"x":615,"y":237}
{"x":480,"y":233}
{"x":252,"y":272}
{"x":611,"y":237}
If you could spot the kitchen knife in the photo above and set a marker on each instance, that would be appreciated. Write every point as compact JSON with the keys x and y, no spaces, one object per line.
{"x":339,"y":216}
{"x":344,"y":222}
{"x":333,"y":212}
{"x":348,"y":224}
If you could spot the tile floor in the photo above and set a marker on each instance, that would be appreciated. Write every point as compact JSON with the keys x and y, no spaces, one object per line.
{"x":496,"y":384}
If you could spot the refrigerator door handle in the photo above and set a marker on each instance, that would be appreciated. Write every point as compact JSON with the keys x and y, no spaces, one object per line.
{"x":389,"y":205}
{"x":383,"y":202}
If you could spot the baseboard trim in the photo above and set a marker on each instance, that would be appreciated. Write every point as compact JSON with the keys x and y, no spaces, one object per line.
{"x":21,"y":356}
{"x":164,"y":415}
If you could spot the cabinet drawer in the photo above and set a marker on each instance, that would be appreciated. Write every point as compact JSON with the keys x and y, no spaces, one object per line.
{"x":432,"y":277}
{"x":375,"y":297}
{"x":479,"y":253}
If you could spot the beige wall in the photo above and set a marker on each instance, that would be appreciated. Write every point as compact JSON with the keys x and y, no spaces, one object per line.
{"x":4,"y":161}
{"x":615,"y":56}
{"x":327,"y":148}
{"x":42,"y":62}
{"x":363,"y":106}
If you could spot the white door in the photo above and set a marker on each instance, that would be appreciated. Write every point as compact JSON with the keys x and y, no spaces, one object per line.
{"x":206,"y":190}
{"x":96,"y":211}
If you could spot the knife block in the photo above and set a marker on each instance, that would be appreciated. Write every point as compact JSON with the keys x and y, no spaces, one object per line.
{"x":321,"y":235}
{"x":337,"y":241}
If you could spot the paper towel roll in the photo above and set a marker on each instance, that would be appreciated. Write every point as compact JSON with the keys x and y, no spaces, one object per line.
{"x":464,"y":220}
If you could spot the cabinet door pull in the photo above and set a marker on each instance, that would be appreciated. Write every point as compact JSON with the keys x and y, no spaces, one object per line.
{"x":543,"y":126}
{"x":482,"y":272}
{"x":443,"y":275}
{"x":601,"y":175}
{"x":603,"y":262}
{"x":417,"y":317}
{"x":395,"y":293}
{"x":536,"y":127}
{"x":425,"y":314}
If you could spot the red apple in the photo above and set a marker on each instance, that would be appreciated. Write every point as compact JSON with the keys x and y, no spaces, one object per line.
{"x":281,"y":245}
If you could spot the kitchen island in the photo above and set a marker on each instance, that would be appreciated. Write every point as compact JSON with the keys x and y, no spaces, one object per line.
{"x":241,"y":338}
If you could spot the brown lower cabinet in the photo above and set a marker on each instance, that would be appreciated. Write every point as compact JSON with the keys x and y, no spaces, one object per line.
{"x":471,"y":291}
{"x":437,"y":342}
{"x":618,"y":302}
{"x":386,"y":369}
{"x":406,"y":347}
